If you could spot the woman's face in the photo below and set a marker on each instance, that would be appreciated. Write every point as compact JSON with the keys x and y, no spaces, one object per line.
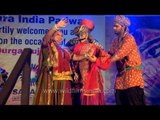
{"x":58,"y":37}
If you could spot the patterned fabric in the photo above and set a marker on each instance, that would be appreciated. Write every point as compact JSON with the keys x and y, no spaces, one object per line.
{"x":129,"y":58}
{"x":60,"y":62}
{"x":54,"y":77}
{"x":91,"y":77}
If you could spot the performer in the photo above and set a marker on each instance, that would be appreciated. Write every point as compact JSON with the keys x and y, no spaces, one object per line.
{"x":54,"y":73}
{"x":77,"y":83}
{"x":129,"y":84}
{"x":91,"y":60}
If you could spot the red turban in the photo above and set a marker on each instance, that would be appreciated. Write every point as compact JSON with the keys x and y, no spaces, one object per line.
{"x":88,"y":23}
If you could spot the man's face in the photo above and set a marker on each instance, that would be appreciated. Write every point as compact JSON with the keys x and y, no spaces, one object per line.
{"x":117,"y":28}
{"x":83,"y":35}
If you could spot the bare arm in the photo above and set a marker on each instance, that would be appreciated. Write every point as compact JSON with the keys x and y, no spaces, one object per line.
{"x":114,"y":58}
{"x":62,"y":23}
{"x":48,"y":36}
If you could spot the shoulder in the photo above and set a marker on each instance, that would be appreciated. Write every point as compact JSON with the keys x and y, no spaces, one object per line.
{"x":129,"y":38}
{"x":92,"y":45}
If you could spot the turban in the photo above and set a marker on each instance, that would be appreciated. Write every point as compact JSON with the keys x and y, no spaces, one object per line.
{"x":122,"y":20}
{"x":88,"y":23}
{"x":80,"y":29}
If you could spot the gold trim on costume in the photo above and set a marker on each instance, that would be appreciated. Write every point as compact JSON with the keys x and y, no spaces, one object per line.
{"x":93,"y":92}
{"x":89,"y":94}
{"x":62,"y":78}
{"x":62,"y":95}
{"x":49,"y":93}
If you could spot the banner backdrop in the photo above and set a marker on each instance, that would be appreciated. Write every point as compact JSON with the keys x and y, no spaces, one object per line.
{"x":26,"y":31}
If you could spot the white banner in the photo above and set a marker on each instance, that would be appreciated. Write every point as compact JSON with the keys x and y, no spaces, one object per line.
{"x":26,"y":31}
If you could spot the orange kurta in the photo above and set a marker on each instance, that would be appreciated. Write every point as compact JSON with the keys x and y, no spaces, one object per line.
{"x":128,"y":53}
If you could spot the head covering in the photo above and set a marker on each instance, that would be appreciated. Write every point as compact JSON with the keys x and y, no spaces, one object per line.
{"x":88,"y":23}
{"x":80,"y":29}
{"x":122,"y":20}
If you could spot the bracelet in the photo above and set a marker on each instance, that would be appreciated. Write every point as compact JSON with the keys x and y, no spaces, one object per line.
{"x":86,"y":55}
{"x":55,"y":27}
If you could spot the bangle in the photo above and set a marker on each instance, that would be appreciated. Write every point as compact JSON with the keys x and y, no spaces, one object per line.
{"x":55,"y":27}
{"x":86,"y":55}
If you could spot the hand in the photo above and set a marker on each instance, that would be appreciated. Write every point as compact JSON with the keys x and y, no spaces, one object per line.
{"x":62,"y":23}
{"x":76,"y":77}
{"x":92,"y":58}
{"x":86,"y":56}
{"x":114,"y":58}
